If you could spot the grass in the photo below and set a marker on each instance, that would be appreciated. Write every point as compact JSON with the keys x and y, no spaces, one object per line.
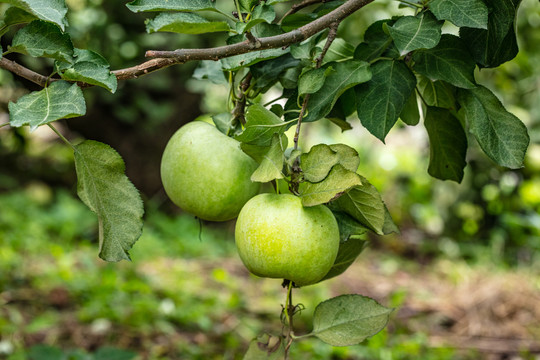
{"x":186,"y":295}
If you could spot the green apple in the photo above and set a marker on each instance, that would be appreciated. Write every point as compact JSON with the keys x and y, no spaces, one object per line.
{"x":277,"y":237}
{"x":206,"y":173}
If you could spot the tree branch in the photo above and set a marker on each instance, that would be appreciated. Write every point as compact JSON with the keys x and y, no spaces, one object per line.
{"x":271,"y":42}
{"x":163,"y":59}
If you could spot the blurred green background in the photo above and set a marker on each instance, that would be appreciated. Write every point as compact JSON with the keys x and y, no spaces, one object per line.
{"x":463,"y":275}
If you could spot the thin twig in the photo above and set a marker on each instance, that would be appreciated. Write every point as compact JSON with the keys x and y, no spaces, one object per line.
{"x":332,"y":33}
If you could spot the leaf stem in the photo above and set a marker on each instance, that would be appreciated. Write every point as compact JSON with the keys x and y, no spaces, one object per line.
{"x":239,"y":10}
{"x":61,"y":136}
{"x":6,"y":124}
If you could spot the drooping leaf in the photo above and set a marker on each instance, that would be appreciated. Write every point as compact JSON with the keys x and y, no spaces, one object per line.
{"x":448,"y":145}
{"x":389,"y":225}
{"x":349,"y":319}
{"x":422,"y":31}
{"x":171,"y":5}
{"x":184,"y":23}
{"x":271,"y":165}
{"x":60,"y":100}
{"x":364,"y":204}
{"x":266,"y":347}
{"x":449,"y":61}
{"x":470,"y":13}
{"x":15,"y":16}
{"x":53,"y":11}
{"x":261,"y":125}
{"x":437,"y":93}
{"x":497,"y":44}
{"x":502,"y":136}
{"x":410,"y":114}
{"x":106,"y":190}
{"x":380,"y":101}
{"x":345,"y":75}
{"x":90,"y":68}
{"x":41,"y":38}
{"x":338,"y":181}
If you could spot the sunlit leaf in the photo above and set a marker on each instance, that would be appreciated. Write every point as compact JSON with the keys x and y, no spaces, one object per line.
{"x":172,"y":5}
{"x":41,"y":38}
{"x":338,"y":182}
{"x":184,"y":23}
{"x":53,"y":11}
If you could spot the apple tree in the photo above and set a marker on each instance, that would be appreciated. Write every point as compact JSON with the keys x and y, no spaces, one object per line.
{"x":417,"y":68}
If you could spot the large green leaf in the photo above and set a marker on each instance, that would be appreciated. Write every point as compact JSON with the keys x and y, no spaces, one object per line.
{"x":448,"y":145}
{"x":380,"y":101}
{"x":89,"y":68}
{"x":184,"y":23}
{"x":53,"y":11}
{"x":171,"y":5}
{"x":344,"y":76}
{"x":321,"y":158}
{"x":449,"y":61}
{"x":41,"y":38}
{"x":470,"y":13}
{"x":338,"y":181}
{"x":502,"y":136}
{"x":364,"y":204}
{"x":422,"y":31}
{"x":106,"y":190}
{"x":261,"y":125}
{"x":496,"y":44}
{"x":60,"y":100}
{"x":377,"y":42}
{"x":349,"y":319}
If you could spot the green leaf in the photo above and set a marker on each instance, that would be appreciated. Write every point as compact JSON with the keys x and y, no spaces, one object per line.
{"x":261,"y":125}
{"x":266,"y":347}
{"x":470,"y":13}
{"x":261,"y":14}
{"x":364,"y":204}
{"x":377,"y":42}
{"x":311,"y":81}
{"x":497,"y":44}
{"x":60,"y":100}
{"x":437,"y":93}
{"x":53,"y":11}
{"x":502,"y":136}
{"x":349,"y":319}
{"x":90,"y":68}
{"x":184,"y":23}
{"x":416,"y":32}
{"x":389,"y":226}
{"x":223,"y":122}
{"x":448,"y":145}
{"x":248,"y":4}
{"x":40,"y":38}
{"x":345,"y":75}
{"x":321,"y":158}
{"x":106,"y":190}
{"x":380,"y":101}
{"x":449,"y":61}
{"x":271,"y":166}
{"x":410,"y":114}
{"x":171,"y":5}
{"x":338,"y":181}
{"x":339,"y":50}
